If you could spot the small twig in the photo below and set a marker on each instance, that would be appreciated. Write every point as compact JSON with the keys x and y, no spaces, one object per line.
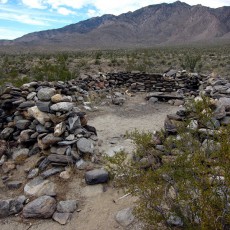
{"x":122,"y":197}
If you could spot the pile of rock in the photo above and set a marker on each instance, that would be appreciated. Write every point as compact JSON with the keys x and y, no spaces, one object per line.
{"x":40,"y":120}
{"x":142,"y":82}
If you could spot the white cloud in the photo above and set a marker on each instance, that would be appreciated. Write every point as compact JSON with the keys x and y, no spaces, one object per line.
{"x":92,"y":13}
{"x":3,"y":1}
{"x":109,"y":7}
{"x":65,"y":11}
{"x":6,"y":33}
{"x":37,"y":4}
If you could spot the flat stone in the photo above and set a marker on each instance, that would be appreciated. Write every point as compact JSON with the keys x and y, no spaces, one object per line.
{"x":125,"y":217}
{"x":14,"y":184}
{"x":50,"y":139}
{"x":42,"y":207}
{"x":39,"y":187}
{"x":26,"y":104}
{"x":96,"y":176}
{"x":85,"y":145}
{"x":31,"y":96}
{"x":51,"y":172}
{"x":62,"y":107}
{"x":59,"y":150}
{"x":68,"y":206}
{"x":65,"y":143}
{"x":22,"y":124}
{"x":62,"y":218}
{"x":60,"y":159}
{"x":45,"y":94}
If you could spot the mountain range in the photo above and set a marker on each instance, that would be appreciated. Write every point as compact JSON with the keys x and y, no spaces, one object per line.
{"x":155,"y":25}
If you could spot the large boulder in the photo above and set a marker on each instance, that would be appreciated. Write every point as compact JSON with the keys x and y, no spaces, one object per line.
{"x":42,"y":207}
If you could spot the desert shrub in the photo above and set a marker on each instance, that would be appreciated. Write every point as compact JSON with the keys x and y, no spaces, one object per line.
{"x":188,"y":184}
{"x":191,"y":61}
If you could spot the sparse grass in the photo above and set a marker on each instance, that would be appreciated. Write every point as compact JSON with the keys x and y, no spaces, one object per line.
{"x":68,"y":65}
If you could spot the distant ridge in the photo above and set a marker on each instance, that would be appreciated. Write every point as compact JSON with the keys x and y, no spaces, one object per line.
{"x":162,"y":24}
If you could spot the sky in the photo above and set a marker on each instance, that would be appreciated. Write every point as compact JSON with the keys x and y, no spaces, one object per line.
{"x":19,"y":17}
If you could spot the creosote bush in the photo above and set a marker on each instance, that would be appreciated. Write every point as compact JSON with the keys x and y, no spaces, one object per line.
{"x":185,"y":186}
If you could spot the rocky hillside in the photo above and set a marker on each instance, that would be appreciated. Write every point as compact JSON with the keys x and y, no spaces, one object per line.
{"x":161,"y":24}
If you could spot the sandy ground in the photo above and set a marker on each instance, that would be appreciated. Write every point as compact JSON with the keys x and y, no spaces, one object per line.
{"x":97,"y":208}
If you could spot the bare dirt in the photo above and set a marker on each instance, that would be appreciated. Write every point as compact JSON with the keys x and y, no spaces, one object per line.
{"x":99,"y":204}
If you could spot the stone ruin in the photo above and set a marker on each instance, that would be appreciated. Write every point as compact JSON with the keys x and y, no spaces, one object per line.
{"x":44,"y":119}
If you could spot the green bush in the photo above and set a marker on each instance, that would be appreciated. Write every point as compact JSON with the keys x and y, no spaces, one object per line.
{"x":188,"y":183}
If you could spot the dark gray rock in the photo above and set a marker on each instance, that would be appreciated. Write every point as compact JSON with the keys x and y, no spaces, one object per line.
{"x":50,"y":139}
{"x":45,"y":94}
{"x":62,"y":218}
{"x":67,"y":206}
{"x":11,"y":206}
{"x":74,"y":123}
{"x":43,"y":106}
{"x":14,"y":184}
{"x":6,"y":133}
{"x":60,"y":159}
{"x":22,"y":124}
{"x":96,"y":176}
{"x":42,"y":207}
{"x":26,"y":104}
{"x":51,"y":172}
{"x":41,"y":129}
